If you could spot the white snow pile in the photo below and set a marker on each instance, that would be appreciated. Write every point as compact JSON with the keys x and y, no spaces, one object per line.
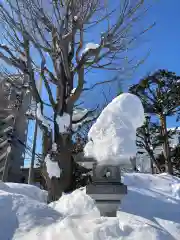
{"x":76,"y":203}
{"x":150,"y":211}
{"x":19,"y":214}
{"x":115,"y":131}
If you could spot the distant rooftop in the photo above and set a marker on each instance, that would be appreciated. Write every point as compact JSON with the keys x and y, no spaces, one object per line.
{"x":173,"y":128}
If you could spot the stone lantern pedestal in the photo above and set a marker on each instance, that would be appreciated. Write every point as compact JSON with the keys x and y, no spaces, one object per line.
{"x":106,"y":189}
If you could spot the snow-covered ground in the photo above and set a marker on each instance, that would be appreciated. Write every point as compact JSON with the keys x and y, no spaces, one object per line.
{"x":150,"y":211}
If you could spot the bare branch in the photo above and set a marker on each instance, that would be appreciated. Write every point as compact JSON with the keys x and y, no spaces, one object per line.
{"x":50,"y":95}
{"x":115,"y":79}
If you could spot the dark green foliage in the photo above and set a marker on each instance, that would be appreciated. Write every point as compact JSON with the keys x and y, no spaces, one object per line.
{"x":81,"y":177}
{"x":160,"y":96}
{"x":148,"y":136}
{"x":175,"y":156}
{"x":159,"y":92}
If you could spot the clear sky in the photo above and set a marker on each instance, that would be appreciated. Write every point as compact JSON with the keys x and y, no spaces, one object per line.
{"x":163,"y":41}
{"x":164,"y":38}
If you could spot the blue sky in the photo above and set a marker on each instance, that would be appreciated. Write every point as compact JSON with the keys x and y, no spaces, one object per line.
{"x":164,"y":38}
{"x":163,"y":41}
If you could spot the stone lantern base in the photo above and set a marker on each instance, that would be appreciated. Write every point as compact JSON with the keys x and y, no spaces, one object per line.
{"x":107,"y":189}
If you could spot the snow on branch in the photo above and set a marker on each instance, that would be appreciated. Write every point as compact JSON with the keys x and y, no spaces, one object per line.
{"x":89,"y":47}
{"x":53,"y":169}
{"x":82,"y":116}
{"x":63,"y":123}
{"x":54,"y":147}
{"x":79,"y":114}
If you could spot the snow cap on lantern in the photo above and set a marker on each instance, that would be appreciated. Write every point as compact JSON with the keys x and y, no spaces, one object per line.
{"x":112,"y":139}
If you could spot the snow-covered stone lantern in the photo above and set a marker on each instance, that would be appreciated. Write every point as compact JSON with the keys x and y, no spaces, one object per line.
{"x":106,"y":188}
{"x":112,"y":143}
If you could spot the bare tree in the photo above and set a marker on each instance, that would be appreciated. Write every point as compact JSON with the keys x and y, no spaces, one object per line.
{"x":48,"y":39}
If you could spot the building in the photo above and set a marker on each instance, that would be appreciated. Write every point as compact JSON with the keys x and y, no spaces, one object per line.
{"x":14,"y":102}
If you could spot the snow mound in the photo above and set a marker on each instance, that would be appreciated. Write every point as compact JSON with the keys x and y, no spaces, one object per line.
{"x":25,"y":189}
{"x":150,"y":210}
{"x":77,"y":203}
{"x":113,"y":136}
{"x":20,"y":213}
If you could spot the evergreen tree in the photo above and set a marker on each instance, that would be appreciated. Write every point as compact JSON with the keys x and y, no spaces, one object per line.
{"x":160,"y":95}
{"x":148,"y":139}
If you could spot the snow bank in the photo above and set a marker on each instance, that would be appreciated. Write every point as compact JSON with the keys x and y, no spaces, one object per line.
{"x":20,"y":213}
{"x":150,"y":207}
{"x":150,"y":211}
{"x":25,"y":189}
{"x":113,"y":136}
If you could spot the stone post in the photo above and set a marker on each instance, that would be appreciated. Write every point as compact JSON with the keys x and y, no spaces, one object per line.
{"x":106,"y":189}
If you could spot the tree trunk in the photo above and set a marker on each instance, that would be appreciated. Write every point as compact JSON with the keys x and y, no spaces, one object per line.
{"x":166,"y":144}
{"x":152,"y":166}
{"x":59,"y":185}
{"x":154,"y":162}
{"x":54,"y":190}
{"x":56,"y":186}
